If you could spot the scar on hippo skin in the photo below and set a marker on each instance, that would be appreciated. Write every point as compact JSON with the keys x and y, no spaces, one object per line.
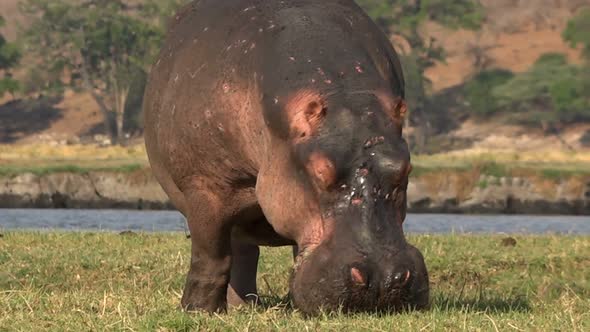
{"x":373,"y":141}
{"x":305,"y":111}
{"x":322,"y":170}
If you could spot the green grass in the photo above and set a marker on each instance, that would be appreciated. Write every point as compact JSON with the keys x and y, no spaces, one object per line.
{"x":105,"y":281}
{"x":11,"y":170}
{"x":42,"y":159}
{"x":501,"y":168}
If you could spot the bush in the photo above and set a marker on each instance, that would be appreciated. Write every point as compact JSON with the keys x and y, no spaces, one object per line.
{"x":9,"y":58}
{"x":551,"y":59}
{"x":567,"y":96}
{"x":478,"y":91}
{"x":577,"y":31}
{"x":562,"y":88}
{"x":466,"y":14}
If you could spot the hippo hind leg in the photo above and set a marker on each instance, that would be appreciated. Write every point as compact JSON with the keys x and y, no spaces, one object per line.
{"x":242,"y":286}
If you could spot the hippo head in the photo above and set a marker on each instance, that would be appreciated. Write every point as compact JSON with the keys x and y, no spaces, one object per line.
{"x":357,"y":164}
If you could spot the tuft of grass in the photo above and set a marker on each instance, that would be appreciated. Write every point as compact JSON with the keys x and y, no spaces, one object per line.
{"x":482,"y":184}
{"x":106,"y":281}
{"x":493,"y":169}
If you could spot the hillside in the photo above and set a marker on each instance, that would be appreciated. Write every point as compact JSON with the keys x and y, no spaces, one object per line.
{"x":513,"y":36}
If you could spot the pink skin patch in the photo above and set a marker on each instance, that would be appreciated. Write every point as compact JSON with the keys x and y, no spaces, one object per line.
{"x":405,"y":278}
{"x":305,"y":111}
{"x":357,"y":277}
{"x":322,"y":169}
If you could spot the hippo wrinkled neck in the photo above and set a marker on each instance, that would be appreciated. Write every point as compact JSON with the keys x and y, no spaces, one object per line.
{"x":301,"y":257}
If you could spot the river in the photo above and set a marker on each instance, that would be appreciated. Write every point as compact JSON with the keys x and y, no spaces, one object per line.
{"x":171,"y":221}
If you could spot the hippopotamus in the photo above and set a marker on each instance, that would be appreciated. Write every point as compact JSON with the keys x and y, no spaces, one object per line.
{"x":279,"y":123}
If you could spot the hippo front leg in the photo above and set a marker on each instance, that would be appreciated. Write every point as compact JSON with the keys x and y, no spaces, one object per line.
{"x":208,"y":277}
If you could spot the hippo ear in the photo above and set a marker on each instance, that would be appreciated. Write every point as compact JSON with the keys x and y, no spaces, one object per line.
{"x":395,"y":106}
{"x":305,"y":112}
{"x":400,"y":109}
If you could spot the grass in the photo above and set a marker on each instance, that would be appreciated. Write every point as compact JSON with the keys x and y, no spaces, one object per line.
{"x":11,"y":170}
{"x":502,"y":163}
{"x":106,"y":281}
{"x":42,"y":159}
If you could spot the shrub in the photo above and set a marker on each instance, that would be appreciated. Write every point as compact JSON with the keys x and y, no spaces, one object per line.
{"x":9,"y":58}
{"x":578,"y":31}
{"x":561,"y":88}
{"x":478,"y":91}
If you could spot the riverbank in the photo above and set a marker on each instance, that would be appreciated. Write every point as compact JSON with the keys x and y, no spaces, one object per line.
{"x":467,"y":181}
{"x":444,"y":191}
{"x":133,"y":281}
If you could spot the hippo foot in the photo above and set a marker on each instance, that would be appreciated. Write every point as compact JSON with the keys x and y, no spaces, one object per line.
{"x":236,"y":301}
{"x":242,"y":286}
{"x":204,"y":293}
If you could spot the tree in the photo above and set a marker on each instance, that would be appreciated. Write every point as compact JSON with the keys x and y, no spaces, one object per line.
{"x":553,"y":92}
{"x":578,"y":32}
{"x":553,"y":82}
{"x":478,"y":91}
{"x":9,"y":58}
{"x":100,"y":47}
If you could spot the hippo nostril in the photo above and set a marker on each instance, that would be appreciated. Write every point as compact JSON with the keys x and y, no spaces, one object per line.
{"x":403,"y":278}
{"x":358,"y":277}
{"x":400,"y":279}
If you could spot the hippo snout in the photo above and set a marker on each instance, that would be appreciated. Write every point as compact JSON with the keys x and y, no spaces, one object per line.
{"x":392,"y":279}
{"x":325,"y":281}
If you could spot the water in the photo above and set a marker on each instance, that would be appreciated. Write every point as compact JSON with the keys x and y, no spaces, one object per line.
{"x":172,"y":221}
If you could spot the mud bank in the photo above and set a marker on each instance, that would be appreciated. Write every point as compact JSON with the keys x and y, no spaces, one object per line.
{"x":442,"y":192}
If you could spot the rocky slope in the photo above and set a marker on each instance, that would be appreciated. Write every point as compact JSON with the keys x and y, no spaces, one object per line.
{"x":138,"y":190}
{"x":437,"y":192}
